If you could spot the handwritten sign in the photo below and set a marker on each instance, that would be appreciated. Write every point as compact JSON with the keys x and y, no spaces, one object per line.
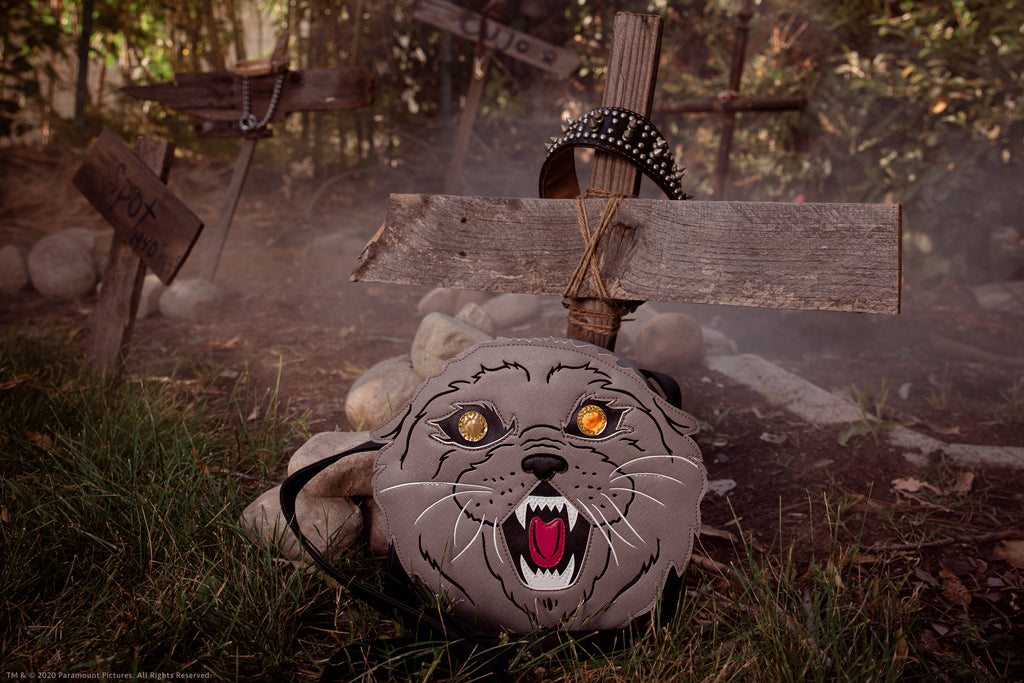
{"x":144,"y":213}
{"x":517,"y":44}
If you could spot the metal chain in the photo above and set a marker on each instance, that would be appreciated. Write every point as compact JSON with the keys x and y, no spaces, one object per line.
{"x":249,"y":122}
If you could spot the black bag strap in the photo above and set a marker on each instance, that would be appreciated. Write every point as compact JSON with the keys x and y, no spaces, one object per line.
{"x":666,"y":385}
{"x":413,"y":617}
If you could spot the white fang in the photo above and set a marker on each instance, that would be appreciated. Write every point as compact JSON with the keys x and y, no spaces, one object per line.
{"x":547,"y":579}
{"x":557,"y":503}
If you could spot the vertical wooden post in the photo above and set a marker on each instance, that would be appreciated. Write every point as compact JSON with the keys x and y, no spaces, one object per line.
{"x":632,"y":73}
{"x":114,"y":317}
{"x":739,"y":53}
{"x":461,"y":145}
{"x":220,"y":232}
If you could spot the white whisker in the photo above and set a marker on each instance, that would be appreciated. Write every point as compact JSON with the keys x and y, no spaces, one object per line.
{"x":646,"y":474}
{"x":639,"y":493}
{"x":622,"y":516}
{"x":601,"y":531}
{"x":647,"y":457}
{"x":458,"y":518}
{"x":436,"y":483}
{"x":439,"y":501}
{"x":494,"y":537}
{"x":478,"y":530}
{"x":611,"y":528}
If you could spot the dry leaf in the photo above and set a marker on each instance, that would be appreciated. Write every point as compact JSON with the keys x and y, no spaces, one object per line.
{"x":5,"y":516}
{"x":712,"y":532}
{"x":901,"y":651}
{"x":964,"y":483}
{"x":926,"y":577}
{"x":774,"y":439}
{"x":956,"y":592}
{"x":912,"y":485}
{"x":42,"y":440}
{"x":1010,"y":551}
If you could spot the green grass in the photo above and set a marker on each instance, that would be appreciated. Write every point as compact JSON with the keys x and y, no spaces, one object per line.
{"x":120,"y":553}
{"x":119,"y":545}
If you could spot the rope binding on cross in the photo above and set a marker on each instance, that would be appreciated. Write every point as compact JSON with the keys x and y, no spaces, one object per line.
{"x":627,"y":135}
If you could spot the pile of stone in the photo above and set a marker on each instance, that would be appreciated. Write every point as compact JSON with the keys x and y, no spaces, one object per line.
{"x":336,"y":509}
{"x":65,"y":266}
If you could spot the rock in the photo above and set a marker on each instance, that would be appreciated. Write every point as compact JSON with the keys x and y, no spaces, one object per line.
{"x":149,"y":300}
{"x":721,"y":486}
{"x":1002,"y":297}
{"x":669,"y":343}
{"x":439,"y":338}
{"x":350,"y":476}
{"x":636,"y":321}
{"x":190,"y":299}
{"x":716,"y":343}
{"x":786,"y":390}
{"x":473,"y":314}
{"x":468,"y":296}
{"x":438,"y":300}
{"x":449,"y":301}
{"x":380,"y":391}
{"x":62,"y":265}
{"x":13,"y":270}
{"x":507,"y":310}
{"x":376,"y":527}
{"x":331,"y":524}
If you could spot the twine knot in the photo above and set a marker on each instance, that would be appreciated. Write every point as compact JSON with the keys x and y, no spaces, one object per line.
{"x":588,"y":267}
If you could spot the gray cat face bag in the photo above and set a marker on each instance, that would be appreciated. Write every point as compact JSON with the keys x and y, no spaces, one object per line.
{"x":533,"y":486}
{"x":540,"y":484}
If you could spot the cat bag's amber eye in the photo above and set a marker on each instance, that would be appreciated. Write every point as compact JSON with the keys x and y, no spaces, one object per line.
{"x":591,"y":420}
{"x":472,"y":426}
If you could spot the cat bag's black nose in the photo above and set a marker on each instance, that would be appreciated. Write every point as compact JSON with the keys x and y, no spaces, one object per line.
{"x":544,"y":466}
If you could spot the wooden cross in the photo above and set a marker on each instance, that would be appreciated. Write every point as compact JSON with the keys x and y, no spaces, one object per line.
{"x":489,"y":35}
{"x":215,"y":103}
{"x":842,"y":257}
{"x":729,"y":103}
{"x":152,"y":228}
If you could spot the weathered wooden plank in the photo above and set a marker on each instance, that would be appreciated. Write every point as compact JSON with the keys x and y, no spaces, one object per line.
{"x":110,"y":328}
{"x":144,"y":213}
{"x":217,"y":96}
{"x":840,"y":257}
{"x":521,"y":46}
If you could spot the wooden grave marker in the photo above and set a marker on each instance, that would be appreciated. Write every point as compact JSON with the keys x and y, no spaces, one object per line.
{"x":152,"y":227}
{"x":729,"y":103}
{"x":496,"y":36}
{"x":231,"y":104}
{"x":841,"y":257}
{"x":488,"y":34}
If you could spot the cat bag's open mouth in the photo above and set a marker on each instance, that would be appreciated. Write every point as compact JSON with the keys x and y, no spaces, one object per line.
{"x":547,"y":538}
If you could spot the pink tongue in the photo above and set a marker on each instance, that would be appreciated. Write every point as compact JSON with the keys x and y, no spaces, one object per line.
{"x":547,"y":542}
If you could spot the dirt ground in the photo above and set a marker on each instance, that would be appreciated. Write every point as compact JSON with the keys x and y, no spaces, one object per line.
{"x":293,"y":321}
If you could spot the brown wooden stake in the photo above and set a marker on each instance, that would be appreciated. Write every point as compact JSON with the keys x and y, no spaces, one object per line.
{"x":113,"y":320}
{"x":220,"y":231}
{"x":632,"y":73}
{"x":460,"y":146}
{"x":739,"y":53}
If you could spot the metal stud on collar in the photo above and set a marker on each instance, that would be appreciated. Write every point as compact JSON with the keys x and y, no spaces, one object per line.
{"x":616,"y":131}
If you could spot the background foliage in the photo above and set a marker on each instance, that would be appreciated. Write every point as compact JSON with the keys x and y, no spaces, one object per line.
{"x":910,"y":101}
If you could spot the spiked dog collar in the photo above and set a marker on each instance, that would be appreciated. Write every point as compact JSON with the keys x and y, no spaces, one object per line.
{"x":617,"y":131}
